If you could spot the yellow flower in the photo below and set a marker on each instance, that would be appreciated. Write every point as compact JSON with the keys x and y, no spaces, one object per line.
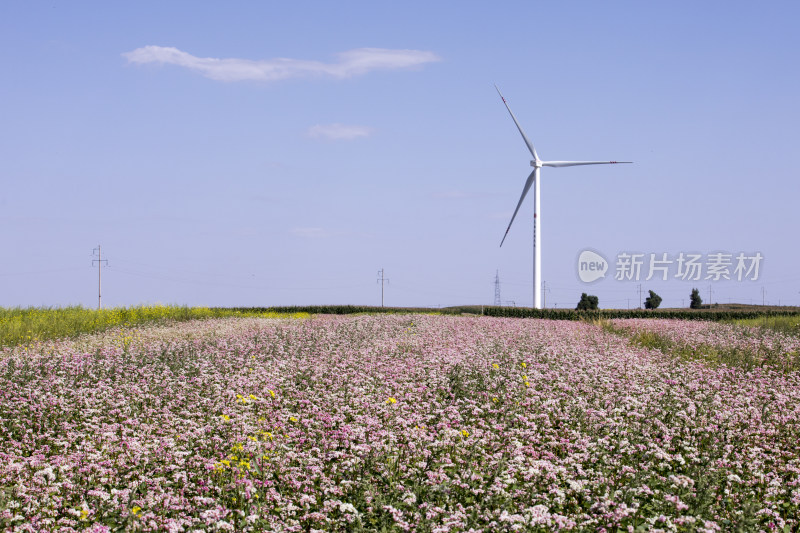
{"x":524,"y":365}
{"x":494,"y":399}
{"x":391,"y":400}
{"x":465,"y":433}
{"x":253,"y":397}
{"x":272,"y":393}
{"x":226,"y":462}
{"x":84,"y":514}
{"x":495,"y":366}
{"x":292,"y":419}
{"x":226,"y":417}
{"x":136,"y":509}
{"x":527,"y":384}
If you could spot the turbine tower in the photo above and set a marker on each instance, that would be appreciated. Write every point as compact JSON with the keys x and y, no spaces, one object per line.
{"x":533,"y":179}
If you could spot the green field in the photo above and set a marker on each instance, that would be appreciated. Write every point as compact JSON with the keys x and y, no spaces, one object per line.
{"x":30,"y":325}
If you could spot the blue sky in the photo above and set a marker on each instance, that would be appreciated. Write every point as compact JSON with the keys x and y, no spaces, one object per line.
{"x":279,"y":153}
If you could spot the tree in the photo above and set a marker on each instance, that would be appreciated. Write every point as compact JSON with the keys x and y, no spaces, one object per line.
{"x":695,"y":299}
{"x":652,"y":301}
{"x":587,"y":303}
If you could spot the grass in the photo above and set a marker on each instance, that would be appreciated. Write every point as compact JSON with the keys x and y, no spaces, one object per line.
{"x":789,"y":325}
{"x":712,"y":354}
{"x":30,"y":325}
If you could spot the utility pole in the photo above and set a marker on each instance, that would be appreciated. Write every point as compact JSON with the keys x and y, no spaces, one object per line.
{"x":382,"y":280}
{"x":544,"y":294}
{"x":497,"y":301}
{"x":99,"y":262}
{"x":640,"y":296}
{"x":710,"y":292}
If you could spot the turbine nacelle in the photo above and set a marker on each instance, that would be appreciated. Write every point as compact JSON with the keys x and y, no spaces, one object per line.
{"x":536,"y":164}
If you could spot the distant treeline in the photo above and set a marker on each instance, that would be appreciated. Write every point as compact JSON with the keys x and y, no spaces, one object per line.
{"x":526,"y":312}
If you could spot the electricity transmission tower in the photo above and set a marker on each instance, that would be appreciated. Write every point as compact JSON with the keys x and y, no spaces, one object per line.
{"x":497,"y":301}
{"x":99,"y":262}
{"x":545,"y":290}
{"x":382,"y":280}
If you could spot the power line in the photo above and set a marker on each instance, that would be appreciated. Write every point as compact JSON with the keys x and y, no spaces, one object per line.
{"x":33,"y":272}
{"x":175,"y":278}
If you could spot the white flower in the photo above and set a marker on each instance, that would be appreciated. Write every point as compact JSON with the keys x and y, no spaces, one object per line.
{"x":347,"y":508}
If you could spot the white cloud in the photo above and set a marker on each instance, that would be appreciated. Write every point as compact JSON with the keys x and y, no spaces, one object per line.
{"x":451,"y":195}
{"x":454,"y":194}
{"x":350,"y":63}
{"x":338,"y":132}
{"x":309,"y":233}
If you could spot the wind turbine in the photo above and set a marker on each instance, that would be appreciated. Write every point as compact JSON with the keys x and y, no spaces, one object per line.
{"x":533,"y":179}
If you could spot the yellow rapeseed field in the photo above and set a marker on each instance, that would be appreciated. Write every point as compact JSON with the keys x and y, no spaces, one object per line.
{"x":19,"y":326}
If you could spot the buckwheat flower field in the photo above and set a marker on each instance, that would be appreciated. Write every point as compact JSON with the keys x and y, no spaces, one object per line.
{"x":393,"y":423}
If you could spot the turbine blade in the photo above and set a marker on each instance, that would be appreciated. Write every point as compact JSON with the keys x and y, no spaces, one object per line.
{"x":521,"y":198}
{"x":524,"y":137}
{"x":578,"y":163}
